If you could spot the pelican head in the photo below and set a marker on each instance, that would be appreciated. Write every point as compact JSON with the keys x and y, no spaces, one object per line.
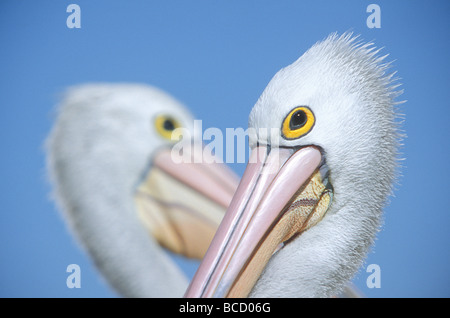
{"x":310,"y":201}
{"x":109,"y":157}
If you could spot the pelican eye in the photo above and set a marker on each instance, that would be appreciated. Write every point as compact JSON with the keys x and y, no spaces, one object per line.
{"x":298,"y":122}
{"x":165,"y":125}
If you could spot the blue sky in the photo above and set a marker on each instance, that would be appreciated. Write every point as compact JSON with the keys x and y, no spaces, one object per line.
{"x":216,"y":57}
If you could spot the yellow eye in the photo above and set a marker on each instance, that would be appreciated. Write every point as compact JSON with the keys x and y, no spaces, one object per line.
{"x":165,"y":125}
{"x":298,"y":123}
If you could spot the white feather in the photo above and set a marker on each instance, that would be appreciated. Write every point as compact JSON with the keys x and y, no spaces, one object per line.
{"x":99,"y":148}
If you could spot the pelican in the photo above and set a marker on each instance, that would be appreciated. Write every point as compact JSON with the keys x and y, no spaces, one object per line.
{"x":310,"y":201}
{"x":125,"y":199}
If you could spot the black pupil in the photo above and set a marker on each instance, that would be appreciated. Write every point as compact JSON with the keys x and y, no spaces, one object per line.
{"x":298,"y":120}
{"x":168,"y":125}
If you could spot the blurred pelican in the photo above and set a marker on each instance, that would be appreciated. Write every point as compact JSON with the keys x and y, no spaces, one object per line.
{"x":310,"y":201}
{"x":109,"y":159}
